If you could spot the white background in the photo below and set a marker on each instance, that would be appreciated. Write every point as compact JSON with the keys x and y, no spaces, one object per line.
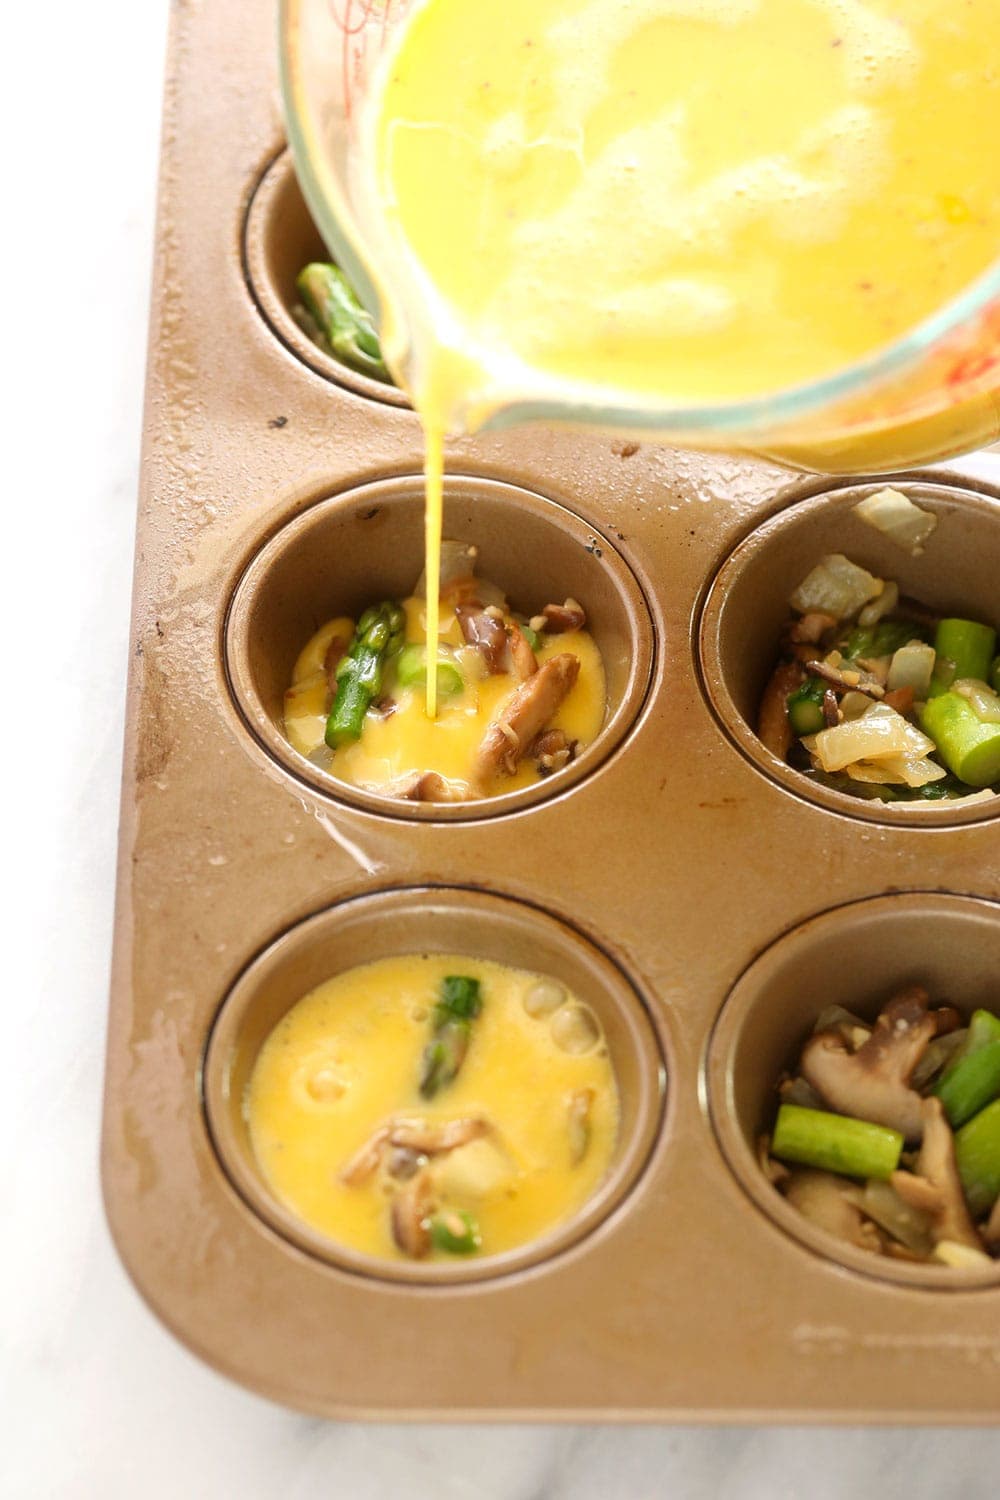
{"x":96,"y":1399}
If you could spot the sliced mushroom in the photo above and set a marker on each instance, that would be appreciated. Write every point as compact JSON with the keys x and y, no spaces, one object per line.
{"x":847,"y":679}
{"x":522,"y":657}
{"x":873,"y":1083}
{"x":831,"y":713}
{"x":424,"y":786}
{"x":562,"y":617}
{"x":936,"y":1187}
{"x":580,"y":1108}
{"x":525,"y":715}
{"x":366,"y":1160}
{"x":404,"y":1163}
{"x":431,"y":1140}
{"x":775,"y":1171}
{"x":773,"y":727}
{"x":551,"y":750}
{"x":484,"y":629}
{"x":831,"y":1203}
{"x":411,"y":1208}
{"x":949,"y":1020}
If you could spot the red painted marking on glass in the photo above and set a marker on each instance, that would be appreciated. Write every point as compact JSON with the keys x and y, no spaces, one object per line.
{"x":361,"y":23}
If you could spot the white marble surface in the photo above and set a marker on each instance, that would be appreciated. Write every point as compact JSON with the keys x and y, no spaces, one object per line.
{"x":96,"y":1399}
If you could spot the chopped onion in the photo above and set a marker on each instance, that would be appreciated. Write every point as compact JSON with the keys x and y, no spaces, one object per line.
{"x":938,"y":1055}
{"x":836,"y":586}
{"x":896,"y":516}
{"x":910,"y":1226}
{"x":985,"y":702}
{"x":882,"y":605}
{"x":880,"y":732}
{"x":471,"y":663}
{"x":897,"y":770}
{"x":853,"y":705}
{"x":878,"y":775}
{"x":322,"y":756}
{"x":836,"y":1018}
{"x":911,"y":667}
{"x":960,"y":1257}
{"x":458,"y":560}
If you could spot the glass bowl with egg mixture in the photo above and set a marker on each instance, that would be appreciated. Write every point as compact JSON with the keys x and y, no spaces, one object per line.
{"x":551,"y":218}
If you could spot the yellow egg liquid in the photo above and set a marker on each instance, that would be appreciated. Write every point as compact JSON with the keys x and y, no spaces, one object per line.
{"x":412,"y":740}
{"x":689,"y":201}
{"x":346,"y":1058}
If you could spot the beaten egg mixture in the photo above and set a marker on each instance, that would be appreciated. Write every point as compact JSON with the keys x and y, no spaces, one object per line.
{"x":344,"y":1066}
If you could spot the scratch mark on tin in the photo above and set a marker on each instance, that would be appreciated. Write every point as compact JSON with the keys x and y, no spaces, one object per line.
{"x":361,"y":859}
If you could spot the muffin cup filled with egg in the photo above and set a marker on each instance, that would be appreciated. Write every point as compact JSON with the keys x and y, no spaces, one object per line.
{"x":433,"y":1085}
{"x":518,"y":719}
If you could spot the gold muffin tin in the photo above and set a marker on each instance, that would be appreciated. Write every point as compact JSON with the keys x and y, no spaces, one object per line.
{"x":702,"y":896}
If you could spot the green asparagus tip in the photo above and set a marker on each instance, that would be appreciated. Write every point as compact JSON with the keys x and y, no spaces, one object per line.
{"x":455,"y":1231}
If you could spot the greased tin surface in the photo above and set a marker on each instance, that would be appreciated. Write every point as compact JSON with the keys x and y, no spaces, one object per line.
{"x":684,"y":877}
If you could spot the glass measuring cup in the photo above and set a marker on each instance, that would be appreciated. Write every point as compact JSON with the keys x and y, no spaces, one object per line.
{"x":933,"y":393}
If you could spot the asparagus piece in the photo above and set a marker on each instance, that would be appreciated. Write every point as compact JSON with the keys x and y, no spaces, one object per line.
{"x":968,"y":644}
{"x":379,"y":633}
{"x":994,"y":678}
{"x":805,"y":707}
{"x":458,"y":1005}
{"x":968,"y":747}
{"x":984,"y":1027}
{"x":977,"y":1151}
{"x":346,"y":325}
{"x":411,"y":671}
{"x":835,"y":1143}
{"x":973,"y":1079}
{"x":882,"y":639}
{"x":455,"y":1231}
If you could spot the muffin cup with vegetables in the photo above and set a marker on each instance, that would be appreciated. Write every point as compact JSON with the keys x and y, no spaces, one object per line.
{"x":853,"y":1076}
{"x":518,"y":697}
{"x":887,"y":1134}
{"x":849,"y":648}
{"x":307,"y":300}
{"x":878,"y":696}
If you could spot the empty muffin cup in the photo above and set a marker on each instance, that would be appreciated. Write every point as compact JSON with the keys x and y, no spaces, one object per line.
{"x":279,"y":240}
{"x":954,"y":573}
{"x":349,"y":550}
{"x":857,"y":957}
{"x":424,"y":922}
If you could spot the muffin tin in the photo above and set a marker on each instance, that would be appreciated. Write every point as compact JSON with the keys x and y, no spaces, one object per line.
{"x":706,"y":902}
